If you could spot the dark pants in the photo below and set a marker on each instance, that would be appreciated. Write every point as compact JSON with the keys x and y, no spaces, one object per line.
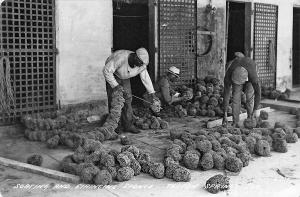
{"x":127,"y":113}
{"x":236,"y":100}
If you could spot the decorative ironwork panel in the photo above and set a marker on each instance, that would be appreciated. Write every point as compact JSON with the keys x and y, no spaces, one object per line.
{"x":27,"y":39}
{"x":265,"y":42}
{"x":178,"y":37}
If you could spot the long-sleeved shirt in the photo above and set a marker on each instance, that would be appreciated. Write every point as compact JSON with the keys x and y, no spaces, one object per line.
{"x":117,"y":63}
{"x":250,"y":66}
{"x":164,"y":90}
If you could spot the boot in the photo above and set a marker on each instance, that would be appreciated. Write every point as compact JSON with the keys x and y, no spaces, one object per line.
{"x":133,"y":129}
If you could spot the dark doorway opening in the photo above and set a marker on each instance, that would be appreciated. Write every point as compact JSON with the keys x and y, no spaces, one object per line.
{"x":296,"y":47}
{"x":131,"y":31}
{"x":238,"y":17}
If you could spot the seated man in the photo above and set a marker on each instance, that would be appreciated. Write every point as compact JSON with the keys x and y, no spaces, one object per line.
{"x":164,"y":87}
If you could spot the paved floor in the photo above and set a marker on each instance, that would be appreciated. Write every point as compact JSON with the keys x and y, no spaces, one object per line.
{"x":260,"y":178}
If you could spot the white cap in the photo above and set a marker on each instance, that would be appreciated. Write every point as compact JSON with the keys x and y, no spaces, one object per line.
{"x":175,"y":71}
{"x":239,"y":54}
{"x":143,"y":55}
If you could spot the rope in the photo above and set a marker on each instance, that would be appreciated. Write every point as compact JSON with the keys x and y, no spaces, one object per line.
{"x":6,"y":93}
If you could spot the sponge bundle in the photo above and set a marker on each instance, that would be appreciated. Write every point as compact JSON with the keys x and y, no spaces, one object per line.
{"x":63,"y":130}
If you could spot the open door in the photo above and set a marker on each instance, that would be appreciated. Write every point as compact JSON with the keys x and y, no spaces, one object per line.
{"x":238,"y":29}
{"x":130,"y":32}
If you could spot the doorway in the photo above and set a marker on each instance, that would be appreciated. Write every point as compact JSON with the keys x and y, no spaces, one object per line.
{"x":238,"y":17}
{"x":130,"y":32}
{"x":296,"y":47}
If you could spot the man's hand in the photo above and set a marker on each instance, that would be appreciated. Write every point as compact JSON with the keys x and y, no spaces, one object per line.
{"x":255,"y":114}
{"x":118,"y":88}
{"x":153,"y":97}
{"x":225,"y":121}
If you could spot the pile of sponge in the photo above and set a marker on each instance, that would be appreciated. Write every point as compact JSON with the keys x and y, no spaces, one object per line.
{"x":228,"y":148}
{"x":63,"y":130}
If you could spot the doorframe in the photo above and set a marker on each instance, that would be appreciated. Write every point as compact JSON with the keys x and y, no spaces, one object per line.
{"x":292,"y":52}
{"x":153,"y":38}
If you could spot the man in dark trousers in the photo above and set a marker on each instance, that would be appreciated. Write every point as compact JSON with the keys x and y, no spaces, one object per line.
{"x":241,"y":75}
{"x":119,"y":68}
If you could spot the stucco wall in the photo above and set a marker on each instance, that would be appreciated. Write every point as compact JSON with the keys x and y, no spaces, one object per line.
{"x":84,"y":41}
{"x":284,"y":43}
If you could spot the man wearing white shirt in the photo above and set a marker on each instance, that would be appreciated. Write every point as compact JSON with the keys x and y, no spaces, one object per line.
{"x":119,"y":68}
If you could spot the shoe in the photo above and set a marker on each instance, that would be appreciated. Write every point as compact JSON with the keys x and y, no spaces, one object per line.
{"x":133,"y":129}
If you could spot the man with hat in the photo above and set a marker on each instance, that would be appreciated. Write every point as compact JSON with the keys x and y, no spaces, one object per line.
{"x":241,"y":75}
{"x":119,"y":68}
{"x":164,"y":87}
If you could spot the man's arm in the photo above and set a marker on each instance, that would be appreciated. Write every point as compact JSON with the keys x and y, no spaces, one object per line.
{"x":146,"y":80}
{"x":257,"y":94}
{"x":108,"y":72}
{"x":165,"y":92}
{"x":226,"y":96}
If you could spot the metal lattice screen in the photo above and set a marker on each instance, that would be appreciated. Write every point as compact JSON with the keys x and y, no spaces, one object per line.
{"x":27,"y":35}
{"x":265,"y":36}
{"x":177,"y":37}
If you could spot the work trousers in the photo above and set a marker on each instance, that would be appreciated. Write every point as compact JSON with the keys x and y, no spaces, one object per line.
{"x":236,"y":100}
{"x":127,"y":113}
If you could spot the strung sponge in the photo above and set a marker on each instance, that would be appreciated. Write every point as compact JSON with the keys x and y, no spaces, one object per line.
{"x":207,"y":162}
{"x":174,"y":154}
{"x":280,"y":145}
{"x":163,"y":124}
{"x":262,"y":148}
{"x":191,"y":160}
{"x":204,"y":146}
{"x":103,"y":177}
{"x":265,"y":124}
{"x":219,"y":161}
{"x":217,"y":183}
{"x":112,"y":171}
{"x":157,"y":170}
{"x":297,"y":131}
{"x":181,"y":174}
{"x":132,"y":149}
{"x":53,"y":142}
{"x":278,"y":134}
{"x":250,"y":123}
{"x":291,"y":138}
{"x":244,"y":157}
{"x":36,"y":160}
{"x":279,"y":125}
{"x":125,"y":174}
{"x":264,"y":115}
{"x":135,"y":165}
{"x":123,"y":160}
{"x":181,"y":144}
{"x":154,"y":123}
{"x":233,"y":164}
{"x":87,"y":174}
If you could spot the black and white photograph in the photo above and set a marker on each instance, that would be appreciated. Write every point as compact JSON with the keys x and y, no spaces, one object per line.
{"x":152,"y":98}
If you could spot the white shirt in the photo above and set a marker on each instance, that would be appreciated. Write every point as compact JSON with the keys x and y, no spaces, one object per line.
{"x":117,"y":64}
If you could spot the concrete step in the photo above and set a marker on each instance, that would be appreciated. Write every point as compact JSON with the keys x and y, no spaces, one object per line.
{"x":280,"y":105}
